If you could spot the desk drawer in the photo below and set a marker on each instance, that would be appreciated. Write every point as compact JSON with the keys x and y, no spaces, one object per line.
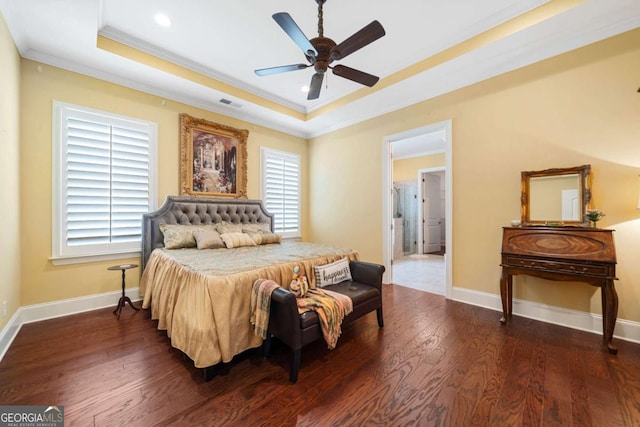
{"x":555,"y":266}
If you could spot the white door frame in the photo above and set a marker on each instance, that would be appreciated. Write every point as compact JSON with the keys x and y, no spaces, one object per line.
{"x":387,"y":197}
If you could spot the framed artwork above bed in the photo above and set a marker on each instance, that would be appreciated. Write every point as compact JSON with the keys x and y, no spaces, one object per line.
{"x":213,"y":159}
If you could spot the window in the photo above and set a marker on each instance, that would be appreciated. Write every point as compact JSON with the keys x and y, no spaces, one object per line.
{"x":104,"y":180}
{"x":281,"y":190}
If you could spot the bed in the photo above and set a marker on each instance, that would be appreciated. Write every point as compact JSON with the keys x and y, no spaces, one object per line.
{"x":202,"y":297}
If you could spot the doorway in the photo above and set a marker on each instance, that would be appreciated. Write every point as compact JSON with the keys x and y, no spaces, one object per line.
{"x":428,"y":237}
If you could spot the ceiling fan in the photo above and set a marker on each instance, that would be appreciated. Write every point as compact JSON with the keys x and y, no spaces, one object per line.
{"x":322,"y":51}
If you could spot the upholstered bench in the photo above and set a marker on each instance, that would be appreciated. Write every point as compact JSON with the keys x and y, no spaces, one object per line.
{"x":297,"y":330}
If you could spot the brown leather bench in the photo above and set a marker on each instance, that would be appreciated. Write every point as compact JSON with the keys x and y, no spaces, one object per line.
{"x":297,"y":330}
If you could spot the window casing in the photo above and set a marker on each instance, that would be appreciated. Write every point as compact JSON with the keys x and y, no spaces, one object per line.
{"x":104,"y":168}
{"x":281,"y":190}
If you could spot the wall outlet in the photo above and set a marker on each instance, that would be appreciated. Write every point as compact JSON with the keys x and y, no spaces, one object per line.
{"x":4,"y":309}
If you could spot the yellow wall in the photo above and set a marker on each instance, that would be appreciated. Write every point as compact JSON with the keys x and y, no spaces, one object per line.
{"x":42,"y":281}
{"x":9,"y":173}
{"x":578,"y":108}
{"x":406,"y":169}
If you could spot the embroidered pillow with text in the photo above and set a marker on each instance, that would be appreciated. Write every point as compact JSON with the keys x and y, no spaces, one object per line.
{"x":330,"y":274}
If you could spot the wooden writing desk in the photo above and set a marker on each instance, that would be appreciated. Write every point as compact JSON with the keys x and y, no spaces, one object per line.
{"x":562,"y":253}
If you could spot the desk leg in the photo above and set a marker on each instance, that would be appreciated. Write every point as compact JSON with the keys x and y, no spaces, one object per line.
{"x":609,"y":314}
{"x":505,"y":295}
{"x":510,"y":293}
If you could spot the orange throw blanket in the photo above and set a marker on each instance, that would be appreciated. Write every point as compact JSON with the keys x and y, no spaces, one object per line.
{"x":331,"y":308}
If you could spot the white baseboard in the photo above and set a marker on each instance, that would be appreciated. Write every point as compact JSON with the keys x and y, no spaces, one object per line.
{"x":9,"y":332}
{"x":626,"y":330}
{"x":50,"y":310}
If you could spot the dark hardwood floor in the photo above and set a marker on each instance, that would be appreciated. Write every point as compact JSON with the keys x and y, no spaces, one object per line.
{"x":436,"y":363}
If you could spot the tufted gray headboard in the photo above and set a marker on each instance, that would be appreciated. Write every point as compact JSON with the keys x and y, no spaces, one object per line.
{"x":189,"y":210}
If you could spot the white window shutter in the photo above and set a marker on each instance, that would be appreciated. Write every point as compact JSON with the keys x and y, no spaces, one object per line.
{"x":104,"y":171}
{"x":130,"y":197}
{"x":281,"y":190}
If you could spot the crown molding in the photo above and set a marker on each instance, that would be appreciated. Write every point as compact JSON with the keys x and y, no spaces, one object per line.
{"x":129,"y":40}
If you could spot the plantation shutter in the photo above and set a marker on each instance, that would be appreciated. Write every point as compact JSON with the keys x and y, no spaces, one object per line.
{"x":281,"y":190}
{"x":106,"y":182}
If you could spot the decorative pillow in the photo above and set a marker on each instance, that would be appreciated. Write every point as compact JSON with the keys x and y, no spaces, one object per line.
{"x":208,"y":239}
{"x":330,"y":274}
{"x":256,"y":228}
{"x":228,"y":227}
{"x":235,"y":240}
{"x":265,"y":238}
{"x":178,"y":236}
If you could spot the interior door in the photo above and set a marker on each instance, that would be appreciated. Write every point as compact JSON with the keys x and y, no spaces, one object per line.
{"x":570,"y":205}
{"x":431,"y":213}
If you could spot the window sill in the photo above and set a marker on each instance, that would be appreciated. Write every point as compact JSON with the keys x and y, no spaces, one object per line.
{"x":292,"y":238}
{"x":66,"y":260}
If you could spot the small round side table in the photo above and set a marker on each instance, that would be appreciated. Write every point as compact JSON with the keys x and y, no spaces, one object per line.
{"x":123,"y":299}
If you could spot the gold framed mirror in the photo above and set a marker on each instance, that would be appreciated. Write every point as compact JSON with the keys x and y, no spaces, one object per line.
{"x":556,"y":197}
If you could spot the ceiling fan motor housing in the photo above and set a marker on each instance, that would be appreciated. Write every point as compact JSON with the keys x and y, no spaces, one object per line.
{"x":323,"y":46}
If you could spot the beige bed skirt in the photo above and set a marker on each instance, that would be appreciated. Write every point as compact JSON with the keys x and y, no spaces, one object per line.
{"x":202,"y":298}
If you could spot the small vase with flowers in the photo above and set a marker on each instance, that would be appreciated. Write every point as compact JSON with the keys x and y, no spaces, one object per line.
{"x":594,"y":215}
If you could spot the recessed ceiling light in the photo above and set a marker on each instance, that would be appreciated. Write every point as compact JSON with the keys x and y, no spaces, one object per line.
{"x":305,"y":89}
{"x":162,"y":20}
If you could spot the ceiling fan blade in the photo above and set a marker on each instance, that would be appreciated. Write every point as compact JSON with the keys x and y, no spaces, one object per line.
{"x":280,"y":69}
{"x":355,"y":75}
{"x":315,"y":86}
{"x":360,"y":39}
{"x":290,"y":27}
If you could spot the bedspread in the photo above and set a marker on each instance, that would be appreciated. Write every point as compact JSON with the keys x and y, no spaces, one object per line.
{"x":202,"y":298}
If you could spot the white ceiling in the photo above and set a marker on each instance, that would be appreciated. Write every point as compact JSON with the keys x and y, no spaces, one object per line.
{"x":227,"y":40}
{"x":419,"y":145}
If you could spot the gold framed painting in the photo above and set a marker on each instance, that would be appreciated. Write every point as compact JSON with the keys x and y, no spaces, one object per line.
{"x":213,"y":159}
